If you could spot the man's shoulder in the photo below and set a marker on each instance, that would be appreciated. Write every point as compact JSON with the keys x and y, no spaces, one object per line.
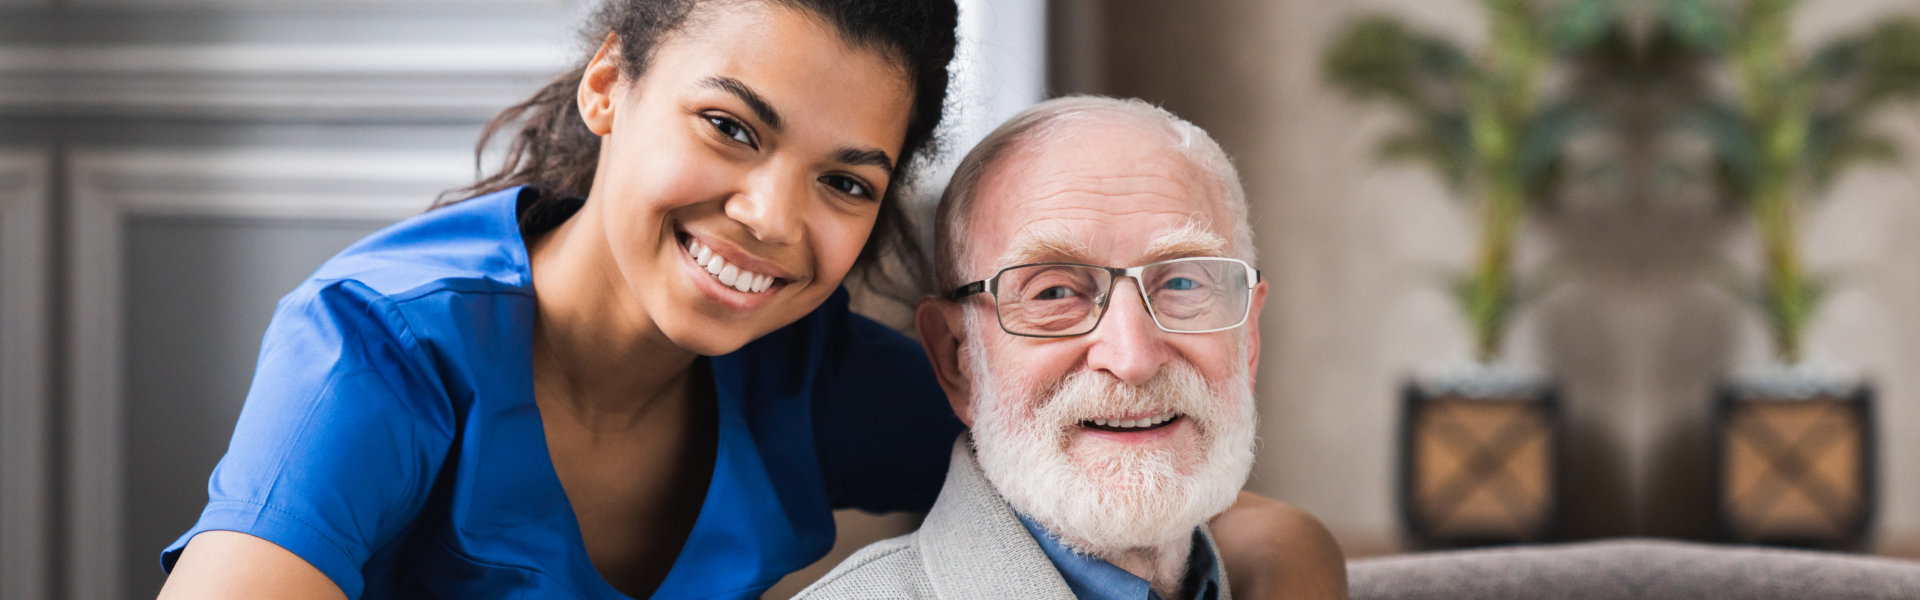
{"x":889,"y":568}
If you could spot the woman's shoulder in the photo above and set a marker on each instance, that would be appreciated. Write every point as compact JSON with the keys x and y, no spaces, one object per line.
{"x":471,"y":245}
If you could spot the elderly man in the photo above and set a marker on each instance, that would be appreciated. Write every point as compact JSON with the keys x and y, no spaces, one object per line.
{"x":1098,"y":340}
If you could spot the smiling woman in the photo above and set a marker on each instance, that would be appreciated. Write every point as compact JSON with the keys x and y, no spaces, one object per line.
{"x":624,"y":367}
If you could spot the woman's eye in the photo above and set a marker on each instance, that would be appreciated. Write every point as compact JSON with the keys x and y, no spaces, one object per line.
{"x":731,"y":128}
{"x":848,"y":186}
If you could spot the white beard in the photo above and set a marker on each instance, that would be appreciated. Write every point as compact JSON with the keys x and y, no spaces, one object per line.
{"x":1102,"y":501}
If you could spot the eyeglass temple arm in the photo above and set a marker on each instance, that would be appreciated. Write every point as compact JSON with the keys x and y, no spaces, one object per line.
{"x":968,"y":290}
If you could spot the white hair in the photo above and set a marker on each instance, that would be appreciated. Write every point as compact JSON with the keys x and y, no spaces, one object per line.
{"x":1050,"y":120}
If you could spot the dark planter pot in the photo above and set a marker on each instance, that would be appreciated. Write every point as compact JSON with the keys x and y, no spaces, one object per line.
{"x":1794,"y":465}
{"x":1481,"y":464}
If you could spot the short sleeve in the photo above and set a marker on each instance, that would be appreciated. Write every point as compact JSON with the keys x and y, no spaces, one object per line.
{"x":885,"y":430}
{"x":340,"y":437}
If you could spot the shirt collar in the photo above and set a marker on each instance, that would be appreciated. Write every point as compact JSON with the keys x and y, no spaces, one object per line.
{"x":1091,"y":578}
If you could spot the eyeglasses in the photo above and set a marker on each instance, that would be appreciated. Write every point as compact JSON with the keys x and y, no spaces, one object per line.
{"x":1057,"y":299}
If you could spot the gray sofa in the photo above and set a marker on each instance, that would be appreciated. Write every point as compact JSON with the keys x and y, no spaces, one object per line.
{"x":1633,"y":568}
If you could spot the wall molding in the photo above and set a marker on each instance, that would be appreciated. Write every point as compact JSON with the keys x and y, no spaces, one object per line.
{"x":409,"y":81}
{"x":108,"y":187}
{"x":25,"y":195}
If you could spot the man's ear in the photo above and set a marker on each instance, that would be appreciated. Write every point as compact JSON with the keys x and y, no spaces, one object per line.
{"x":942,"y":332}
{"x":1253,"y":331}
{"x":597,"y":96}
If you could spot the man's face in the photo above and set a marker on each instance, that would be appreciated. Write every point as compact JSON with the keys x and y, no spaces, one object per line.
{"x":1127,"y":436}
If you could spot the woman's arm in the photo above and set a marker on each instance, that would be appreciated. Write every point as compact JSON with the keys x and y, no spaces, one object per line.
{"x":1273,"y":550}
{"x":333,"y":456}
{"x":228,"y":564}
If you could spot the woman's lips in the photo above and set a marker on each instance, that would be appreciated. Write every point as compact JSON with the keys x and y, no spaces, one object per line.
{"x":729,"y":274}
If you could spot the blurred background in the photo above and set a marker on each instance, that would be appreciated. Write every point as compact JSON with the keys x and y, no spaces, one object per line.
{"x":169,"y":168}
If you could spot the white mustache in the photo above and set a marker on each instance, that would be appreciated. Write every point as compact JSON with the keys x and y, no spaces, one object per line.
{"x":1084,"y":395}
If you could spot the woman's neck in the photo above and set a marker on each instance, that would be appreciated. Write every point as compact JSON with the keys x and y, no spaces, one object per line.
{"x":594,"y":346}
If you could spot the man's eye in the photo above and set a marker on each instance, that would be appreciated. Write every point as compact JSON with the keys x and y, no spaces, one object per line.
{"x":731,"y":128}
{"x":1181,"y":284}
{"x":1058,"y":292}
{"x":848,"y":186}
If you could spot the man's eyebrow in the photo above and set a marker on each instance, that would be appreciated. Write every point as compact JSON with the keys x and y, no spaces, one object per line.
{"x":864,"y":156}
{"x":1045,"y":244}
{"x":1189,"y":240}
{"x":754,"y":102}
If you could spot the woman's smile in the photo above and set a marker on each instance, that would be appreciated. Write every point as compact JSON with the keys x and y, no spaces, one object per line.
{"x":729,"y":276}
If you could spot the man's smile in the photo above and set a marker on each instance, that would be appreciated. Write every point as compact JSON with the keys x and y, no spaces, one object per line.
{"x":1133,"y":424}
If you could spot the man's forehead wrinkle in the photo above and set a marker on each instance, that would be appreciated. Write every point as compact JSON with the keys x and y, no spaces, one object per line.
{"x":1070,"y":233}
{"x":1043,"y":239}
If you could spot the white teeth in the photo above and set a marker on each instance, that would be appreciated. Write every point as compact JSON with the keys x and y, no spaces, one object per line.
{"x":1153,"y":421}
{"x":729,"y":275}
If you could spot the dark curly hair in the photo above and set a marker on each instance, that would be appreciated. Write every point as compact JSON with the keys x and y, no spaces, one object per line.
{"x":551,"y":147}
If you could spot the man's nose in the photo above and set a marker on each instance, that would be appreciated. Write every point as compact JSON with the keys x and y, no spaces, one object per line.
{"x":770,"y":206}
{"x":1127,"y":344}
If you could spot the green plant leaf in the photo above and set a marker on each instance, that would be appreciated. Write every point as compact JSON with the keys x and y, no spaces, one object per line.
{"x":1436,"y":148}
{"x":1698,"y":23}
{"x":1736,"y":145}
{"x":1893,"y":61}
{"x":1423,"y":75}
{"x":1379,"y":57}
{"x":1828,"y":157}
{"x":1581,"y":23}
{"x":1544,"y":139}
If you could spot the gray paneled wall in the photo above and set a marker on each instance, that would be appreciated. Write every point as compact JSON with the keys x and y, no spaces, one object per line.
{"x":24,"y":443}
{"x":176,"y":260}
{"x":167,"y":171}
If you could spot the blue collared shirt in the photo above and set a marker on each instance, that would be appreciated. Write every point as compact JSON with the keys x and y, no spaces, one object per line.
{"x":1091,"y":578}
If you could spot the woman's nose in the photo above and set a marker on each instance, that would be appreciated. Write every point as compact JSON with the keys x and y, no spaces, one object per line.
{"x":770,"y":207}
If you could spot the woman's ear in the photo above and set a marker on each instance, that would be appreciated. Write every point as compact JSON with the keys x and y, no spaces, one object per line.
{"x":943,"y":332}
{"x":597,"y":87}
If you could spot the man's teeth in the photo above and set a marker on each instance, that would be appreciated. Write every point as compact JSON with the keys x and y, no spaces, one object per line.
{"x":729,"y":275}
{"x":1154,"y":421}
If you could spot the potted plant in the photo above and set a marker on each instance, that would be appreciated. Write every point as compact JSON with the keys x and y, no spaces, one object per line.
{"x":1793,"y":441}
{"x":1480,"y":445}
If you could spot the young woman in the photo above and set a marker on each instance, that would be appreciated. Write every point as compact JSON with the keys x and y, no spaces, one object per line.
{"x":625,"y":368}
{"x":507,"y":396}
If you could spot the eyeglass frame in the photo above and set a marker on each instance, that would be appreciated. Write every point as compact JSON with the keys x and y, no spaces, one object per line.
{"x":991,"y":287}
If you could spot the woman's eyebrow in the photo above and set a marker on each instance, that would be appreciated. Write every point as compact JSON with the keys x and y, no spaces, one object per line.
{"x":754,"y":102}
{"x":864,"y":156}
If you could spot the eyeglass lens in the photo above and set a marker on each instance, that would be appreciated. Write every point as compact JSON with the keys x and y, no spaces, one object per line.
{"x":1183,"y":296}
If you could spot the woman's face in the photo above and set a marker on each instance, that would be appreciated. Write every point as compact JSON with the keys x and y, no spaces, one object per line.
{"x":740,"y":175}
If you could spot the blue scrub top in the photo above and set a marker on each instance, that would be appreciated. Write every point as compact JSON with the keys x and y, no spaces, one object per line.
{"x":391,"y":438}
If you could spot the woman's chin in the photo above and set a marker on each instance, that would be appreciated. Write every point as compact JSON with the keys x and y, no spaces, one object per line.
{"x":713,"y":340}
